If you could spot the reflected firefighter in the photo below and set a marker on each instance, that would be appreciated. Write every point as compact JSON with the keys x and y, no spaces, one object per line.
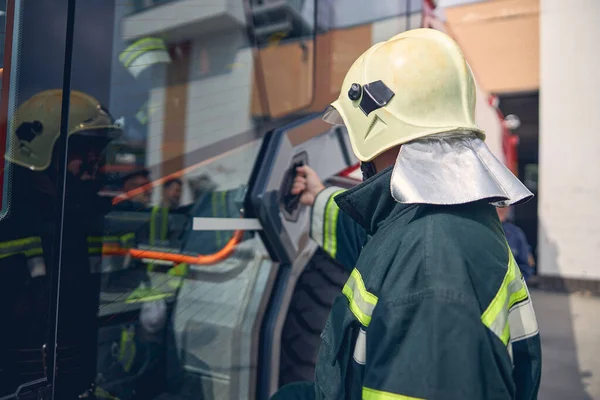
{"x":29,"y":243}
{"x":435,"y":307}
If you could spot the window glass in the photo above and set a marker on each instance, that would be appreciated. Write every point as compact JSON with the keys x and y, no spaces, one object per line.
{"x":284,"y":32}
{"x":30,"y":118}
{"x":131,"y":149}
{"x":173,"y":293}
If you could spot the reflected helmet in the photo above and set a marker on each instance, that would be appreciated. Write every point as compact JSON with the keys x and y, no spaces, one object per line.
{"x":36,"y":126}
{"x":413,"y":85}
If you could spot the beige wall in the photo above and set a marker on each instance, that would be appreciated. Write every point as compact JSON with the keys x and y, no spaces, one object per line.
{"x":500,"y":39}
{"x":486,"y":116}
{"x":569,"y":231}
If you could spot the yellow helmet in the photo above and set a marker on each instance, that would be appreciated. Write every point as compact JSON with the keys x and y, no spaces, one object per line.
{"x":413,"y":85}
{"x":36,"y":126}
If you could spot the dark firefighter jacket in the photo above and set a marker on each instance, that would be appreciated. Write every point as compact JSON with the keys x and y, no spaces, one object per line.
{"x":27,"y":263}
{"x":435,"y":307}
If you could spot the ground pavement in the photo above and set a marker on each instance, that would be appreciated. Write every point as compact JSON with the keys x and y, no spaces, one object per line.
{"x":570,"y":332}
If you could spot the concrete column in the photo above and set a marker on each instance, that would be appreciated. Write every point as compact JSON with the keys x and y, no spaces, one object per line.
{"x":569,"y":196}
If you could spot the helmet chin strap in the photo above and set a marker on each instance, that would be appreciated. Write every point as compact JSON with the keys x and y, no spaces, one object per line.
{"x":368,"y":170}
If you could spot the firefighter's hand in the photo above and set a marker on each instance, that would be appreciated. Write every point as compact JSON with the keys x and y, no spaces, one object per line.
{"x":307,"y":184}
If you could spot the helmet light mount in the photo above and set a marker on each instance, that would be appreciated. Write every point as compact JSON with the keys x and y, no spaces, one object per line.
{"x":355,"y":91}
{"x":376,"y":95}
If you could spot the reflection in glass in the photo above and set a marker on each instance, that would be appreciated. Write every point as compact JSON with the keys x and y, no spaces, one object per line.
{"x":149,"y":307}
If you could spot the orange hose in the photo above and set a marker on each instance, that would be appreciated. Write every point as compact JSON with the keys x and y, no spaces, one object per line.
{"x":201,"y":259}
{"x":134,"y":192}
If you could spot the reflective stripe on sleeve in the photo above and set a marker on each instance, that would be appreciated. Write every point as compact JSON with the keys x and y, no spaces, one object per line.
{"x":361,"y":302}
{"x":324,"y":219}
{"x":510,"y":314}
{"x":136,"y":49}
{"x":103,"y":394}
{"x":97,"y":243}
{"x":141,"y":295}
{"x":127,"y":240}
{"x":30,"y":247}
{"x":332,"y":212}
{"x":360,"y":347}
{"x":219,"y":207}
{"x":372,"y":394}
{"x":143,"y":53}
{"x":100,"y":258}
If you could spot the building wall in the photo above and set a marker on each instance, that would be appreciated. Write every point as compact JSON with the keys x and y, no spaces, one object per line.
{"x":569,"y":230}
{"x":221,"y":103}
{"x":220,"y":97}
{"x":156,"y":116}
{"x":219,"y":89}
{"x":486,"y":116}
{"x":500,"y":40}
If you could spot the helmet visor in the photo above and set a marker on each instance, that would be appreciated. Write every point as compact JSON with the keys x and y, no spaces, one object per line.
{"x":102,"y":124}
{"x":332,"y":116}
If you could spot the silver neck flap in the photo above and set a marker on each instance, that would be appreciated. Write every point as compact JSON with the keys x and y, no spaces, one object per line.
{"x":453,"y":168}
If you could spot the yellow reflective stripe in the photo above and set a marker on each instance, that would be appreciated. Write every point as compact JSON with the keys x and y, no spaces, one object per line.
{"x":215,"y":213}
{"x":361,"y":302}
{"x":127,"y":349}
{"x":140,"y":52}
{"x":97,"y":243}
{"x":102,"y":239}
{"x":165,"y":223}
{"x":177,"y":273}
{"x":332,"y":212}
{"x":133,"y":51}
{"x":103,"y":394}
{"x":31,"y":246}
{"x":12,"y":244}
{"x":512,"y":291}
{"x":34,"y":252}
{"x":153,"y":224}
{"x":178,"y":270}
{"x":116,"y":239}
{"x":142,"y":298}
{"x":128,"y":240}
{"x":328,"y":222}
{"x":153,"y":216}
{"x":142,"y":114}
{"x":372,"y":394}
{"x":224,"y":203}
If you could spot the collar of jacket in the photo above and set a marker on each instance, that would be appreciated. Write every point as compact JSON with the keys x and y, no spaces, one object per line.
{"x":371,"y":203}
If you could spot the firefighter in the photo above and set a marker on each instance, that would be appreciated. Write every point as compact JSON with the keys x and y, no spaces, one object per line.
{"x":28,"y":242}
{"x":136,"y":181}
{"x":172,"y":193}
{"x":435,"y":307}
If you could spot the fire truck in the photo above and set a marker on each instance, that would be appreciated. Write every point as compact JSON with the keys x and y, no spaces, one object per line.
{"x":222,"y":295}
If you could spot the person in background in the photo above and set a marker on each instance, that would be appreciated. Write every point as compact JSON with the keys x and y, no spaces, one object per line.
{"x":518,"y":244}
{"x":172,"y":193}
{"x":136,"y":201}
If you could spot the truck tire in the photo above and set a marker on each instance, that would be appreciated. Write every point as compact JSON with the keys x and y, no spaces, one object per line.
{"x":313,"y":296}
